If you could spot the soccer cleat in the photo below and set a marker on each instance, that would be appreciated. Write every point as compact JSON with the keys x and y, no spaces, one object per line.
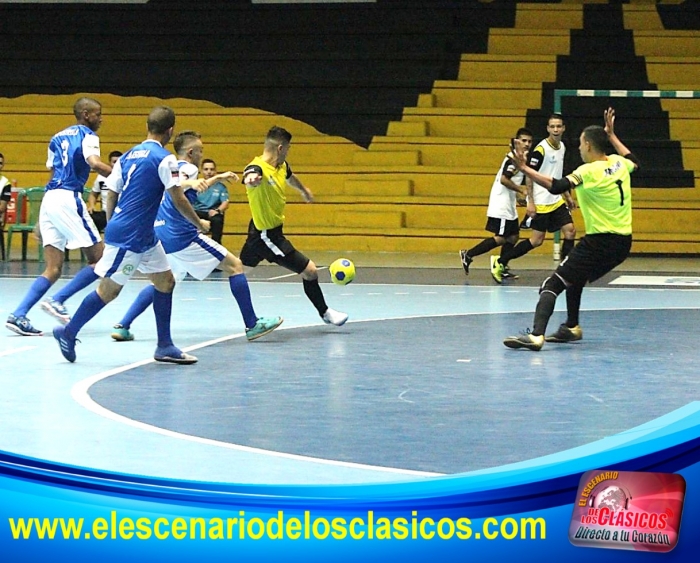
{"x":173,"y":355}
{"x":466,"y":261}
{"x":565,"y":334}
{"x":22,"y":326}
{"x":525,"y":340}
{"x":65,"y":342}
{"x":496,"y":269}
{"x":265,"y":325}
{"x":508,"y":275}
{"x":121,"y":334}
{"x":333,"y":317}
{"x":56,"y":310}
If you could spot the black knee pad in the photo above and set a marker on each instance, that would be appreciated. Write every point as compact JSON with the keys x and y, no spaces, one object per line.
{"x":554,"y":284}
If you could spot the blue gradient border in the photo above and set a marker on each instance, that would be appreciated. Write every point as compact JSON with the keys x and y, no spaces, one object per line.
{"x":541,"y":488}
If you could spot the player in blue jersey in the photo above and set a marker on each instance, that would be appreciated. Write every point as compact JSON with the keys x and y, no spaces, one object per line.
{"x":189,"y":251}
{"x":64,"y":221}
{"x":141,"y":176}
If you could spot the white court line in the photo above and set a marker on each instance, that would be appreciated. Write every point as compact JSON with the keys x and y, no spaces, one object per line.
{"x":79,"y":393}
{"x":16,"y":350}
{"x":287,"y":275}
{"x":278,"y":277}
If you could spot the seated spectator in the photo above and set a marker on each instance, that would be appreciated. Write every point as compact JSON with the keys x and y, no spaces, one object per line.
{"x":212,"y":203}
{"x":5,"y":193}
{"x":99,"y":190}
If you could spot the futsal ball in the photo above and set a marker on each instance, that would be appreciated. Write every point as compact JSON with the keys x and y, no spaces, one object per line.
{"x":342,"y":271}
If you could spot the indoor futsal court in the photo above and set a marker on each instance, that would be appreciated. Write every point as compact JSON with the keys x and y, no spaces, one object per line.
{"x":416,"y":384}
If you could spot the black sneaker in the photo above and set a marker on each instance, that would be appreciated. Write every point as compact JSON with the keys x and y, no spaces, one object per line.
{"x":566,"y":334}
{"x":508,"y":275}
{"x":466,"y":260}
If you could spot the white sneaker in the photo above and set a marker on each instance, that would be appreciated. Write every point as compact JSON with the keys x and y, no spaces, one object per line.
{"x":56,"y":310}
{"x":333,"y":317}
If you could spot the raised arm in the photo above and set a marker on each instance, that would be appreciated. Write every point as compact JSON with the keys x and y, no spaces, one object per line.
{"x":618,"y":145}
{"x":555,"y":186}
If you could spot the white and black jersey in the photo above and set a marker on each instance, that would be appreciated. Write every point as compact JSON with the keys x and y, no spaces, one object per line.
{"x":502,"y":201}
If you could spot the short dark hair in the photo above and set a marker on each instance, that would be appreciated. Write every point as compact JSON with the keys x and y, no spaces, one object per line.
{"x":556,"y":116}
{"x":84,"y":103}
{"x":2,"y":156}
{"x":184,"y":139}
{"x":597,"y":136}
{"x":523,"y":131}
{"x":115,"y":154}
{"x":160,"y":120}
{"x":208,"y":161}
{"x":279,"y":135}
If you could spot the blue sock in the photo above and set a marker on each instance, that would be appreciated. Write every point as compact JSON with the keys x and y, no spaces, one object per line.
{"x":36,"y":291}
{"x":162,"y":307}
{"x":81,"y":280}
{"x":241,"y":292}
{"x":90,"y":306}
{"x":141,"y":303}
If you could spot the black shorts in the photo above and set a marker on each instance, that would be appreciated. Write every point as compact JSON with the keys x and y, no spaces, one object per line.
{"x":271,"y":245}
{"x":553,"y":221}
{"x":100,"y":220}
{"x":502,"y":227}
{"x":594,"y":256}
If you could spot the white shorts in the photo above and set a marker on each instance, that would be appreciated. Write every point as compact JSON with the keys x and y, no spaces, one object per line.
{"x":119,"y":264}
{"x":198,"y":259}
{"x":64,"y":221}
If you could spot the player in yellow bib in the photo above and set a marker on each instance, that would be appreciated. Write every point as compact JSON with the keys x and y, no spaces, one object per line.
{"x":265,"y":179}
{"x":605,"y":198}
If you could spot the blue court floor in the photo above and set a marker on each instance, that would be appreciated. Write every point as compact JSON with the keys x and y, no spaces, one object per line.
{"x":417,"y":383}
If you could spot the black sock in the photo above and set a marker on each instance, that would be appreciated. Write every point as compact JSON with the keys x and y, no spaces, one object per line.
{"x":549,"y":291}
{"x":506,"y":248}
{"x":566,"y":247}
{"x":573,"y":304}
{"x":315,"y":295}
{"x":483,"y":247}
{"x":517,"y":251}
{"x":544,"y":310}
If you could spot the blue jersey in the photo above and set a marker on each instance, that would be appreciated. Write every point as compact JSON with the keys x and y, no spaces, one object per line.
{"x":172,"y":229}
{"x":67,"y":156}
{"x":141,"y":177}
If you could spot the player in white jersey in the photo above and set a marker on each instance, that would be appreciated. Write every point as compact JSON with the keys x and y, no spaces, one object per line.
{"x":501,"y":214}
{"x":141,"y":177}
{"x":98,"y":193}
{"x":189,"y":251}
{"x":547,"y":212}
{"x":64,"y":221}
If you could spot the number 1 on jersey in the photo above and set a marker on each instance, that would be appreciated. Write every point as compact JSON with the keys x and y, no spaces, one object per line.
{"x":622,"y":195}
